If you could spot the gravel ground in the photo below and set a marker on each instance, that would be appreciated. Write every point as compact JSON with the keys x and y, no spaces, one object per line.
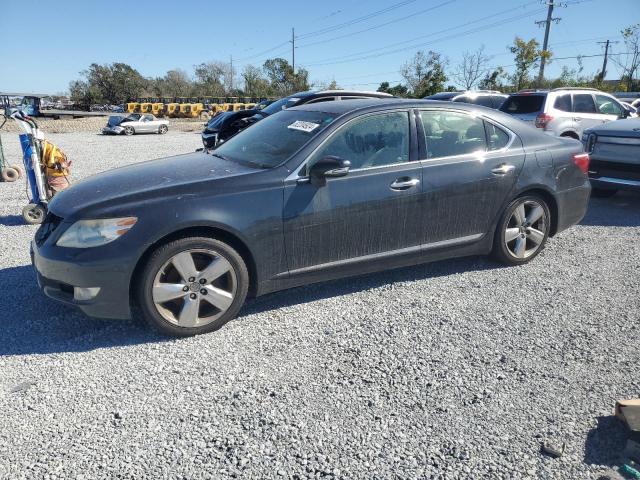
{"x":457,"y":369}
{"x":95,"y":124}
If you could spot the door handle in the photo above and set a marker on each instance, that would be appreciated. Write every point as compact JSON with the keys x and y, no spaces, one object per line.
{"x":503,"y":169}
{"x":404,"y":183}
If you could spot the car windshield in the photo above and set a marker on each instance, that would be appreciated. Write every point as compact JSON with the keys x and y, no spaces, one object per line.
{"x":273,"y":140}
{"x":286,"y":102}
{"x":523,"y":104}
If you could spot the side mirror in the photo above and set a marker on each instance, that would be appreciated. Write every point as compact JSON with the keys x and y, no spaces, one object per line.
{"x":328,"y":167}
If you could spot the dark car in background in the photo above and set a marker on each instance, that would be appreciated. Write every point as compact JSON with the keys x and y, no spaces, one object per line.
{"x":312,"y":193}
{"x":484,"y":98}
{"x":614,"y":149}
{"x":220,"y":129}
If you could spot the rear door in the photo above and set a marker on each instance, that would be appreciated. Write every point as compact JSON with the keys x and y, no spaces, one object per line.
{"x":470,"y":166}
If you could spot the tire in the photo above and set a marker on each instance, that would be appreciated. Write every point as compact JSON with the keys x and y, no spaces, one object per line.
{"x":603,"y":193}
{"x":163,"y":129}
{"x":129,"y":131}
{"x":518,"y":242}
{"x":9,"y":174}
{"x":20,"y":170}
{"x":163,"y":297}
{"x":33,"y":214}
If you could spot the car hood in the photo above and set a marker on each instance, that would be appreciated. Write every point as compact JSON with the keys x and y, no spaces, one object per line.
{"x":629,"y":127}
{"x":178,"y":175}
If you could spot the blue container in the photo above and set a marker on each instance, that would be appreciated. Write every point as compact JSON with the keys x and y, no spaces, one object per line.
{"x":25,"y":143}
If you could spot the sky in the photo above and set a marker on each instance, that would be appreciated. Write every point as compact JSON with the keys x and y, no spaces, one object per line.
{"x":357,"y":43}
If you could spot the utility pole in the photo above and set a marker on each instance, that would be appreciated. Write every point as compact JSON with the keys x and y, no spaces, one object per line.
{"x":604,"y":62}
{"x":293,"y":49}
{"x":231,"y":74}
{"x":548,"y":21}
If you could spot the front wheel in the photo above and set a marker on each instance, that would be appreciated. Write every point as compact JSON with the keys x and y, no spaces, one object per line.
{"x":163,"y":129}
{"x":191,"y":286}
{"x":522,"y":231}
{"x":129,"y":131}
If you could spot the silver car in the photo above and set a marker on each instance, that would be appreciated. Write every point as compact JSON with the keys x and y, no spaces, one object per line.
{"x":614,"y":150}
{"x":564,"y":112}
{"x":135,"y":123}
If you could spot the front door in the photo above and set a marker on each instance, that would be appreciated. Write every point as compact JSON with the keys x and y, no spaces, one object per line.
{"x":469,"y":168}
{"x":374,"y":209}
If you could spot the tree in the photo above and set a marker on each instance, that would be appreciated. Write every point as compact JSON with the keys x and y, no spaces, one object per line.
{"x":630,"y":61}
{"x":424,"y":74}
{"x":283,"y":81}
{"x":527,"y":55}
{"x":472,"y":67}
{"x":109,"y":83}
{"x":397,"y":91}
{"x":210,"y":78}
{"x":255,"y":84}
{"x":176,"y":83}
{"x":493,"y":80}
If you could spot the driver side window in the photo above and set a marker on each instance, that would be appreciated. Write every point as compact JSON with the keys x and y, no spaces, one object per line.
{"x":372,"y":141}
{"x":608,"y":106}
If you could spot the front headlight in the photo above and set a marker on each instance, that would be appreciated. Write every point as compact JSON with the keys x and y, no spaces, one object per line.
{"x":93,"y":233}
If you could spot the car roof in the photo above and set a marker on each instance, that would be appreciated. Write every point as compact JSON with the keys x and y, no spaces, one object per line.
{"x":331,"y":93}
{"x":346,"y":106}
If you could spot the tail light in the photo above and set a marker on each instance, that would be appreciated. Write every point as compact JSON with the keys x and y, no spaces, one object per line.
{"x":542,"y":120}
{"x":582,"y":161}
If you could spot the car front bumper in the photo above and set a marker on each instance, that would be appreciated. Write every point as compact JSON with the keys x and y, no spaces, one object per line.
{"x":209,"y":140}
{"x":60,"y":271}
{"x":112,"y":130}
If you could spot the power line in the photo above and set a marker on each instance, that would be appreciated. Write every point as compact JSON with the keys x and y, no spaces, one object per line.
{"x":355,"y":20}
{"x":412,"y":15}
{"x":346,"y":59}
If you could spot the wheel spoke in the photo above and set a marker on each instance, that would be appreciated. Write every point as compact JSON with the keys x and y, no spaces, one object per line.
{"x":183,"y":263}
{"x":218,"y":267}
{"x":164,"y":292}
{"x":536,"y":236}
{"x":520,"y":247}
{"x":519,"y":214}
{"x":535,"y":214}
{"x":511,"y":234}
{"x":189,"y":314}
{"x":218,"y":297}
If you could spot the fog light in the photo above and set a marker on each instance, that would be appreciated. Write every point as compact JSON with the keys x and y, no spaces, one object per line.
{"x":85,"y":293}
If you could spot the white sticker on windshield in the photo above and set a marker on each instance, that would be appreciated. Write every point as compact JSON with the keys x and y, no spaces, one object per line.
{"x":303,"y":126}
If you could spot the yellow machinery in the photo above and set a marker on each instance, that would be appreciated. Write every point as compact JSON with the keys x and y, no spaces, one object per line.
{"x":198,"y":111}
{"x":133,"y":107}
{"x":157,"y":108}
{"x":145,"y":105}
{"x":172,"y":109}
{"x":249,"y":106}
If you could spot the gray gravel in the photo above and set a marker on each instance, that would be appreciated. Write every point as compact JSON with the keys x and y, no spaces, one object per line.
{"x":458,"y":369}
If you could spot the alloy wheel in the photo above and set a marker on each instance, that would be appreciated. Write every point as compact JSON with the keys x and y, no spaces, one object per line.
{"x":526,"y":229}
{"x":194,"y":288}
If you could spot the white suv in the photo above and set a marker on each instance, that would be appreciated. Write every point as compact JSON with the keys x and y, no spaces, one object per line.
{"x":564,"y":112}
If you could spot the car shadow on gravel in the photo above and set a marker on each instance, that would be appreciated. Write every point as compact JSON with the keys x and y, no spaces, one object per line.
{"x":12,"y":220}
{"x":31,"y":323}
{"x":605,"y":443}
{"x":346,"y":286}
{"x":621,"y":210}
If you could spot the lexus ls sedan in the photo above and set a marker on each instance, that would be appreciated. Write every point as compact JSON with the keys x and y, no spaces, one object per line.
{"x":308,"y":194}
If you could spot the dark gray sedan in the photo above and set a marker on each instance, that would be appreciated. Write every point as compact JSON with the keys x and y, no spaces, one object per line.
{"x":311,"y":193}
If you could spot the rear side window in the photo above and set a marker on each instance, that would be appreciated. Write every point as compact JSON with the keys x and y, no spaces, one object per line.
{"x":583,"y":103}
{"x":451,"y":133}
{"x":497,"y":138}
{"x":483,"y":100}
{"x":323,"y":99}
{"x":563,"y":103}
{"x":523,"y":104}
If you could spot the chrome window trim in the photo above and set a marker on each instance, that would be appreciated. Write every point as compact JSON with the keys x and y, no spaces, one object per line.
{"x":295,"y":174}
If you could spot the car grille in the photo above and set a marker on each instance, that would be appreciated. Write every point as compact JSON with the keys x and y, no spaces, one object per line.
{"x":627,"y":171}
{"x":47,"y":227}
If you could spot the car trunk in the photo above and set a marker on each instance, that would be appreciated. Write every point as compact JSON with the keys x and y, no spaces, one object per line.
{"x":524,"y":107}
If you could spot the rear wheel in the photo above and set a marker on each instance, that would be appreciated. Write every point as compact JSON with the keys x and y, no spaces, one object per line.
{"x":603,"y":193}
{"x":9,"y":174}
{"x":129,"y":131}
{"x":522,"y":231}
{"x":192,"y":285}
